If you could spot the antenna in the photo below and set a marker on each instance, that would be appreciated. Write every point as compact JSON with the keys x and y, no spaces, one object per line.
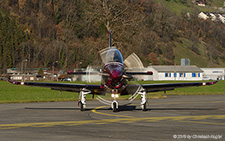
{"x":110,"y":38}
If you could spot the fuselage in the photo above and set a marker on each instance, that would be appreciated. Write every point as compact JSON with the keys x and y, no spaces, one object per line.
{"x":114,"y":67}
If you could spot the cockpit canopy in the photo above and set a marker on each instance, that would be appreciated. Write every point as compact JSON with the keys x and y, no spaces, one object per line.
{"x":114,"y":55}
{"x":111,"y":55}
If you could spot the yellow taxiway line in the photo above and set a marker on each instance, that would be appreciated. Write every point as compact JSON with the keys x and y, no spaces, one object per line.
{"x":190,"y":119}
{"x":123,"y":119}
{"x":106,"y":114}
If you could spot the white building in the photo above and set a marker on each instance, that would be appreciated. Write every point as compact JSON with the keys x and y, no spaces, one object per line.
{"x":221,"y":18}
{"x":213,"y":73}
{"x":203,"y":16}
{"x":28,"y":74}
{"x":176,"y":73}
{"x":212,"y":16}
{"x":90,"y":75}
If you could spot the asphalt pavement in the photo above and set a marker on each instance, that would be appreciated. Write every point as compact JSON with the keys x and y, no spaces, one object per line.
{"x":176,"y":117}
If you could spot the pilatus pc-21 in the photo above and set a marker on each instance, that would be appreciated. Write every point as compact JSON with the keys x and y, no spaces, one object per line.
{"x":115,"y":78}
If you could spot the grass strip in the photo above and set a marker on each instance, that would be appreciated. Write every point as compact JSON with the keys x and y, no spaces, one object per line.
{"x":23,"y":94}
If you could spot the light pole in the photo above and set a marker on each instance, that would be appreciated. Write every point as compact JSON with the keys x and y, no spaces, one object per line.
{"x":22,"y":69}
{"x":53,"y":67}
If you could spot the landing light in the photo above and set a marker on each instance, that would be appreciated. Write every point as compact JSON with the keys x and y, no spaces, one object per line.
{"x":22,"y":83}
{"x":203,"y":83}
{"x":115,"y":95}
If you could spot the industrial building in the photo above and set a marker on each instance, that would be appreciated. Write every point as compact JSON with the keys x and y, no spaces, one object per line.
{"x":176,"y":73}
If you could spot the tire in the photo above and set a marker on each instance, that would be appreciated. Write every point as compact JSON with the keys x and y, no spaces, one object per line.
{"x":144,"y":108}
{"x":114,"y":107}
{"x":81,"y":106}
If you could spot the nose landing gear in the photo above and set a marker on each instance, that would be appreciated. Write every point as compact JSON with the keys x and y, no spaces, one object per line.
{"x":115,"y":104}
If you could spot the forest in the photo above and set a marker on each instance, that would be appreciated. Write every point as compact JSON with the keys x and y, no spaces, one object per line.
{"x":74,"y":31}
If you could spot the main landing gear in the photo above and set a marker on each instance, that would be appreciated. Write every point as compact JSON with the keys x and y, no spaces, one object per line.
{"x":144,"y":98}
{"x":82,"y":99}
{"x":115,"y":95}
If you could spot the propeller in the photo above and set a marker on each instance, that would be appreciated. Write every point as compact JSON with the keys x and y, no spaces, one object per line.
{"x":103,"y":53}
{"x":92,"y":74}
{"x":132,"y":63}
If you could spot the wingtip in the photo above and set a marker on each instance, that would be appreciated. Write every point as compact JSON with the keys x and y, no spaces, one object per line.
{"x":13,"y":82}
{"x":214,"y":82}
{"x":10,"y":81}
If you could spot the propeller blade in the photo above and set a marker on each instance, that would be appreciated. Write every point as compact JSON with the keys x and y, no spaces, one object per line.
{"x":133,"y":62}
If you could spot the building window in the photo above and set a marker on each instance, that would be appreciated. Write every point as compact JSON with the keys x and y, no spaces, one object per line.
{"x":217,"y":72}
{"x":175,"y":74}
{"x":193,"y":74}
{"x":167,"y":74}
{"x":182,"y":74}
{"x":199,"y":75}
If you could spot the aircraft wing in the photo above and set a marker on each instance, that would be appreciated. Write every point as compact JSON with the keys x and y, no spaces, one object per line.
{"x":140,"y":73}
{"x":172,"y":86}
{"x":96,"y":89}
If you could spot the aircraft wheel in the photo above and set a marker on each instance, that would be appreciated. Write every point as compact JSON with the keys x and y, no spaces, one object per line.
{"x":81,"y":106}
{"x":144,"y":107}
{"x":114,"y":107}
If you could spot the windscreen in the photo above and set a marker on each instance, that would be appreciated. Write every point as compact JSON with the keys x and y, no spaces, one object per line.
{"x":113,"y":55}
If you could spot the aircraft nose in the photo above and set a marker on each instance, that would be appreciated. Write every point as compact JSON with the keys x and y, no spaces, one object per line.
{"x":116,"y":75}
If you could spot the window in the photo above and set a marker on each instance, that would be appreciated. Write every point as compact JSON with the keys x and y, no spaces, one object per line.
{"x":175,"y":74}
{"x":193,"y":74}
{"x":167,"y":74}
{"x":199,"y":75}
{"x":113,"y":55}
{"x":217,"y":72}
{"x":182,"y":75}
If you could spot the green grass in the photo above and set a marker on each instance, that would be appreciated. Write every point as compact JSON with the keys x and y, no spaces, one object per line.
{"x":13,"y":94}
{"x":182,"y":50}
{"x":218,"y":3}
{"x":217,"y":89}
{"x":176,"y":7}
{"x":21,"y":94}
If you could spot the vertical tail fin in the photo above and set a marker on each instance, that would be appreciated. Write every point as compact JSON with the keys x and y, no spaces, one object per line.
{"x":110,"y":38}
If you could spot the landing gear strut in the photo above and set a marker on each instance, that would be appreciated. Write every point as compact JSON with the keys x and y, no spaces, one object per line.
{"x":82,"y":99}
{"x":115,"y":104}
{"x":144,"y":98}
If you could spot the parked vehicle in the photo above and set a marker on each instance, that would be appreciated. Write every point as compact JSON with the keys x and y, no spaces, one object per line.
{"x":67,"y":79}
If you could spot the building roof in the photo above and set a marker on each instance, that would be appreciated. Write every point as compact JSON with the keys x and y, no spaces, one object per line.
{"x":183,"y":69}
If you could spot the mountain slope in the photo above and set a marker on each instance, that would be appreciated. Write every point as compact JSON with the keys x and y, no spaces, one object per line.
{"x":45,"y":31}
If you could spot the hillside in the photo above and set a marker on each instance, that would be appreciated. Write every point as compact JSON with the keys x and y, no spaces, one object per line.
{"x":200,"y":57}
{"x":159,"y":31}
{"x":181,"y":6}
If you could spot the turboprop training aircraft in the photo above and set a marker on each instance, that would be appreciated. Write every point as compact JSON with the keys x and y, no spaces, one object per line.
{"x":115,"y":77}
